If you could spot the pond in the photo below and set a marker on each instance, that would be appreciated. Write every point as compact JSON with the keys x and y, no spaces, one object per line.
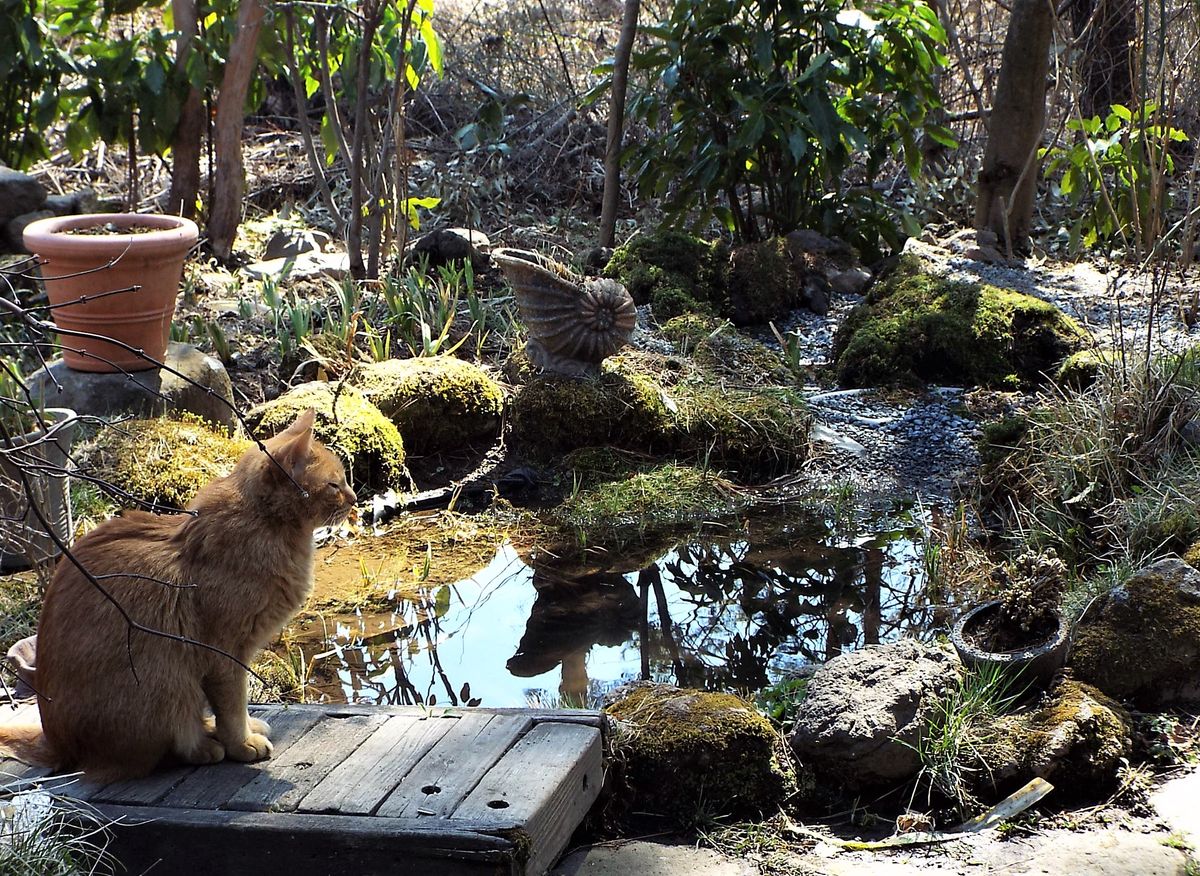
{"x":718,"y":612}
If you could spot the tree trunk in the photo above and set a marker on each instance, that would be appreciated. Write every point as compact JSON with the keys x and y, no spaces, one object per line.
{"x":616,"y":121}
{"x":1008,"y":179}
{"x":189,"y":136}
{"x":1107,"y":33}
{"x":357,"y":168}
{"x":225,"y":212}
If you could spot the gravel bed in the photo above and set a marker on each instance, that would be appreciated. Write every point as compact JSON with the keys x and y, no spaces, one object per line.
{"x":922,"y":445}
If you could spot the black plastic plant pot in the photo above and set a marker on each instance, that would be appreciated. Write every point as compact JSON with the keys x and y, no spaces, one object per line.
{"x":1035,"y":664}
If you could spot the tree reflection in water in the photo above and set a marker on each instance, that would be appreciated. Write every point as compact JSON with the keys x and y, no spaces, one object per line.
{"x":718,"y":613}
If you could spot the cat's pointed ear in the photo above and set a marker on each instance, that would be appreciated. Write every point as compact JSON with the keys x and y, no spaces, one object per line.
{"x":296,"y":444}
{"x":302,"y":423}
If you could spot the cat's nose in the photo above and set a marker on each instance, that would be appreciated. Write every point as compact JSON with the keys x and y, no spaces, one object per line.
{"x":351,"y":498}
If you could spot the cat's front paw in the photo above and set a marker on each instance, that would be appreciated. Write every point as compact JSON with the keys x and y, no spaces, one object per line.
{"x":259,"y":726}
{"x":254,"y":747}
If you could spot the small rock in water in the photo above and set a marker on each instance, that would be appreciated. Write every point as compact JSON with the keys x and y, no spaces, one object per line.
{"x":850,"y":282}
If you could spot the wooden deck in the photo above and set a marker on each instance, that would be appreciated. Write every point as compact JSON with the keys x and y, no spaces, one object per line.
{"x":359,"y":790}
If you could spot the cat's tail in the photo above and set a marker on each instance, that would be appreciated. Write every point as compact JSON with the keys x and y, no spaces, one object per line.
{"x":27,"y":743}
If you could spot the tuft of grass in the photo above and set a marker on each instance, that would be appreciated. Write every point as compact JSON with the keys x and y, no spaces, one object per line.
{"x":1107,"y":474}
{"x":42,"y":835}
{"x":20,"y":604}
{"x":959,"y":738}
{"x":286,"y":676}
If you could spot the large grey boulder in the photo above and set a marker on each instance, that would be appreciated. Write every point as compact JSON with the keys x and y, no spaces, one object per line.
{"x":1141,"y":642}
{"x":12,"y":235}
{"x":860,"y":721}
{"x":203,"y":389}
{"x":19,"y":193}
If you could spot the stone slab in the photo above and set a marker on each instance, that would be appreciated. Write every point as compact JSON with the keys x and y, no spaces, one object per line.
{"x":650,"y":859}
{"x":1178,"y":802}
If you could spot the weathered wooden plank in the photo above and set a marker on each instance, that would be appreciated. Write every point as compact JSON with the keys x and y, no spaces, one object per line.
{"x":455,"y":765}
{"x":282,"y":782}
{"x":359,"y":783}
{"x":211,"y":787}
{"x":16,"y":775}
{"x":542,"y":787}
{"x":206,"y":843}
{"x":589,"y":717}
{"x":141,"y":792}
{"x":150,"y":789}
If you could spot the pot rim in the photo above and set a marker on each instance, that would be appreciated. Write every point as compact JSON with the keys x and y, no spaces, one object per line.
{"x":52,"y":235}
{"x":1056,"y":640}
{"x":57,"y":419}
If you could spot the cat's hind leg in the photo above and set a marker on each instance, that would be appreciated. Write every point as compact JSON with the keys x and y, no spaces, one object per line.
{"x":195,"y":744}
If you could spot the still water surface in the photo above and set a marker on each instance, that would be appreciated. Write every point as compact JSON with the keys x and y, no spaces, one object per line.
{"x":715,"y":612}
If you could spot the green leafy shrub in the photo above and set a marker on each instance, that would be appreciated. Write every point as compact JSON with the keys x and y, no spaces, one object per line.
{"x":1116,"y":170}
{"x":31,"y":70}
{"x":762,"y":106}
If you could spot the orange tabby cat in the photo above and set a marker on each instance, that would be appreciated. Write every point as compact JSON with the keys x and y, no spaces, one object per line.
{"x":115,"y":703}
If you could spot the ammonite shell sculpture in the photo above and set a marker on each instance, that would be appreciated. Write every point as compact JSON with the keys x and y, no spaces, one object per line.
{"x":569,"y":316}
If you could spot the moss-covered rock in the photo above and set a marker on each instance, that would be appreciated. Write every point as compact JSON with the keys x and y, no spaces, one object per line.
{"x":1081,"y":369}
{"x":436,"y":402}
{"x":688,"y":753}
{"x":163,"y":461}
{"x":1142,"y":641}
{"x":673,"y":272}
{"x":1077,"y":739}
{"x":762,"y":431}
{"x":716,"y":345}
{"x":655,"y":404}
{"x":763,"y":282}
{"x":368,"y":443}
{"x":620,"y":500}
{"x":621,"y":407}
{"x":917,"y":326}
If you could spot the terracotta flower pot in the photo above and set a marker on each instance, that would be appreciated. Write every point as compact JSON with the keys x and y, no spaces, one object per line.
{"x":77,"y":265}
{"x":23,"y":539}
{"x":1036,"y":662}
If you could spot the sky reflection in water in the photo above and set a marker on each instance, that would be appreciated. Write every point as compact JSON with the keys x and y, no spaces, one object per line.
{"x":717,"y":613}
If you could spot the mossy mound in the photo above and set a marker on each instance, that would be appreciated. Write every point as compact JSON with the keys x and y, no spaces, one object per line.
{"x":916,"y":327}
{"x":654,"y":404}
{"x":368,"y":443}
{"x":673,"y":272}
{"x":1000,"y":438}
{"x":163,"y":461}
{"x":437,"y":403}
{"x":1077,"y":738}
{"x":619,"y":501}
{"x":716,"y":345}
{"x":762,"y":431}
{"x":763,"y":282}
{"x":1080,"y":370}
{"x":1142,"y":642}
{"x":619,"y":408}
{"x":688,"y":753}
